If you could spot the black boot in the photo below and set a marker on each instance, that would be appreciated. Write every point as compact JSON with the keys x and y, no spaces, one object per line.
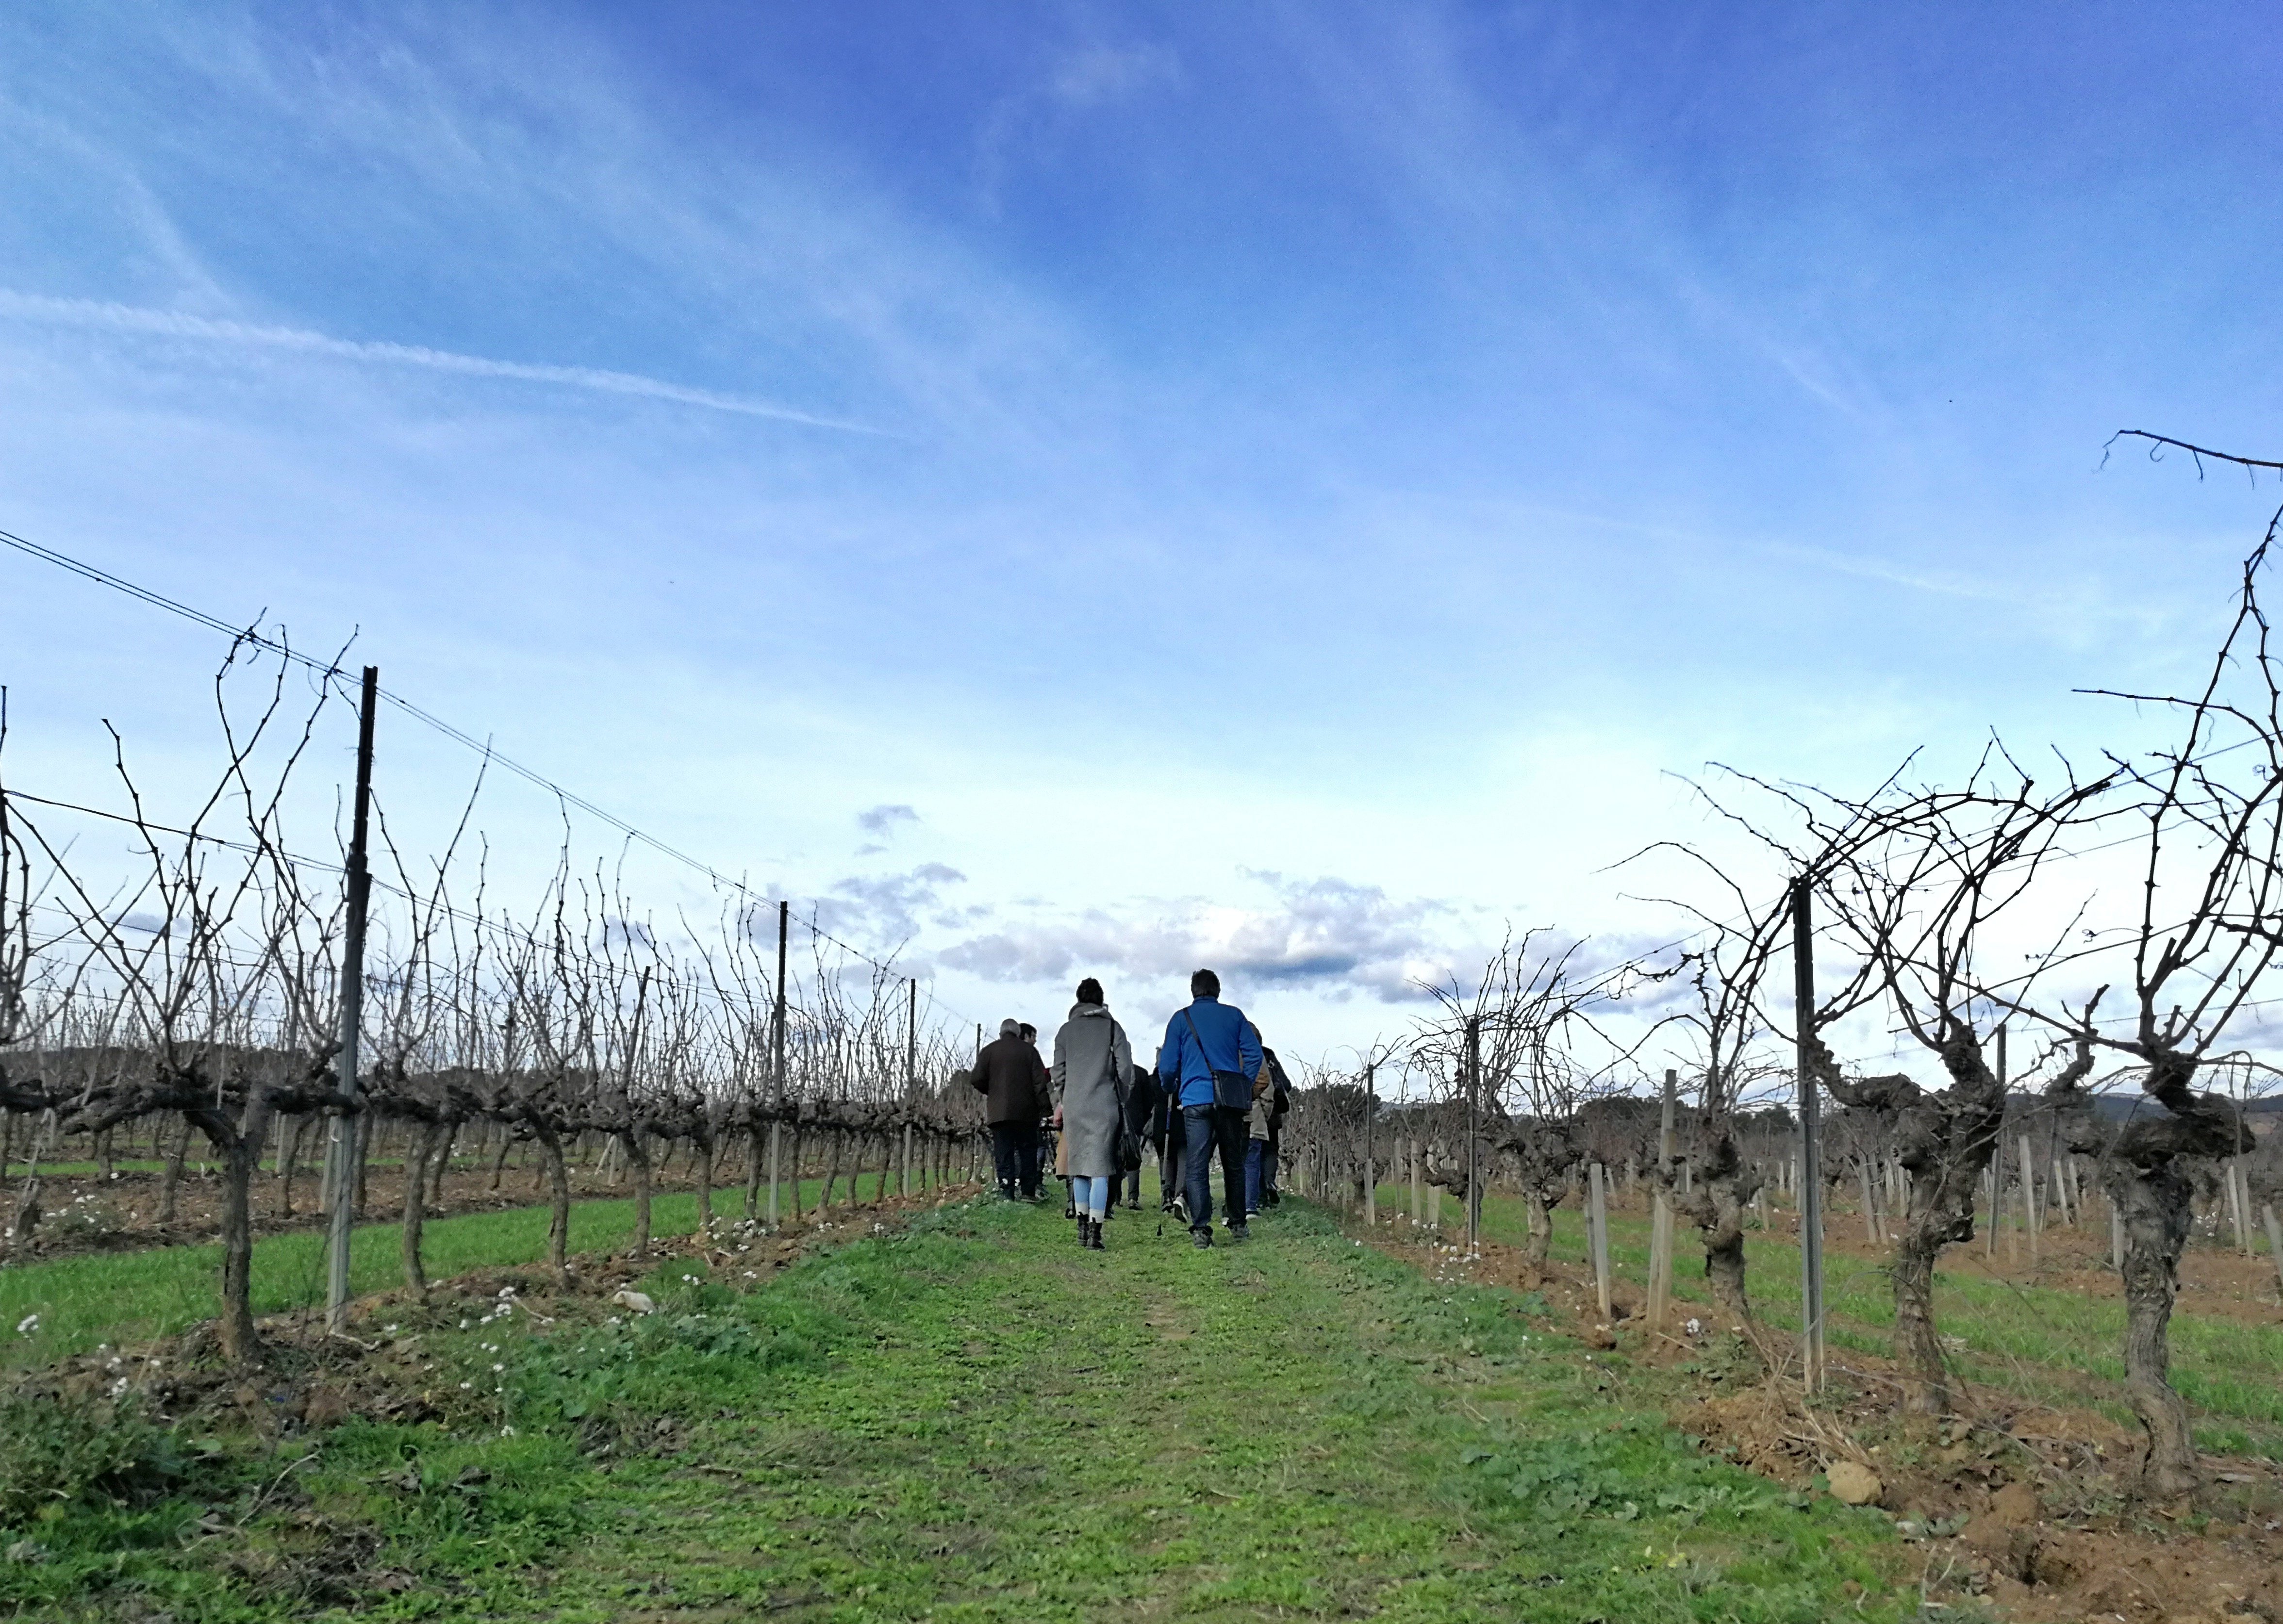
{"x":1093,"y":1235}
{"x":1083,"y":1240}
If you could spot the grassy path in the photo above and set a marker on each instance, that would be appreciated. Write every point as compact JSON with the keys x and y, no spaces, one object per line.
{"x":1009,"y":1428}
{"x":974,"y":1420}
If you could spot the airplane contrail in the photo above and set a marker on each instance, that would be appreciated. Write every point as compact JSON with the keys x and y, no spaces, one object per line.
{"x":89,"y":313}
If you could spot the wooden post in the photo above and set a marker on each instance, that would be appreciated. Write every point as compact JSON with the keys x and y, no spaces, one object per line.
{"x":346,"y":1142}
{"x":1998,"y":1202}
{"x":1810,"y":1148}
{"x":1418,"y":1194}
{"x":1370,"y":1166}
{"x":1597,"y":1232}
{"x":777,"y":1068}
{"x":1994,"y":1176}
{"x":1474,"y":1092}
{"x":2030,"y":1200}
{"x":1870,"y":1206}
{"x":2274,"y":1240}
{"x":1660,"y":1234}
{"x":911,"y":1072}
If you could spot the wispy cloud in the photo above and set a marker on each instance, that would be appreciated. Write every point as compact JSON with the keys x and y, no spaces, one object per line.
{"x":1096,"y":75}
{"x":104,"y":316}
{"x":886,"y":908}
{"x":1084,"y":80}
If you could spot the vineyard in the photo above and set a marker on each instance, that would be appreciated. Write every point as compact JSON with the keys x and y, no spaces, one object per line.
{"x":1923,"y":1191}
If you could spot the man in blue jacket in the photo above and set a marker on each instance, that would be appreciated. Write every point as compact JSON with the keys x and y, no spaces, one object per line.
{"x":1208,"y":1037}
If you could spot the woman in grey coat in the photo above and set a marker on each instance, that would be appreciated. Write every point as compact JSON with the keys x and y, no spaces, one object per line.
{"x":1092,"y":1058}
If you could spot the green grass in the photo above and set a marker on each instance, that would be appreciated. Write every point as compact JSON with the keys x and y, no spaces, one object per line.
{"x":973,"y":1420}
{"x":125,"y":1298}
{"x":2048,"y":1345}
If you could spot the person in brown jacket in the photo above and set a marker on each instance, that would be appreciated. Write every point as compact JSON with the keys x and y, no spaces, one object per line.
{"x":1013,"y":1080}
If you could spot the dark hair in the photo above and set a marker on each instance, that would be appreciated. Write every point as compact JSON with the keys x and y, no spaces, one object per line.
{"x":1089,"y":991}
{"x":1204,"y":985}
{"x":1029,"y":1031}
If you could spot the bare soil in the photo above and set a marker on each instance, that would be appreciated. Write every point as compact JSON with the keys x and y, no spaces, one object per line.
{"x":85,"y":1213}
{"x":2029,"y":1508}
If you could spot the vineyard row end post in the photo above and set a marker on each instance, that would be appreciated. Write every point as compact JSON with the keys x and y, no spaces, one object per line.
{"x":1597,"y":1214}
{"x":341,"y":1154}
{"x":778,"y":1066}
{"x":1810,"y":1143}
{"x":1660,"y":1232}
{"x":1370,"y":1168}
{"x":1474,"y":1093}
{"x":911,"y":1070}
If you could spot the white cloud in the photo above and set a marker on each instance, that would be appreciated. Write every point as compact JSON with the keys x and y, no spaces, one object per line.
{"x":886,"y":908}
{"x":882,"y":820}
{"x":1328,"y":935}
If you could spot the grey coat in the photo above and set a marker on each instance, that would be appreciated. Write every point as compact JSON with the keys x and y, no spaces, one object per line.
{"x":1088,"y":1044}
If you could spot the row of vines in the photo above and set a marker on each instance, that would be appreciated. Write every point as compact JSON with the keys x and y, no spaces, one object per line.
{"x":2119,"y":928}
{"x":184,"y":978}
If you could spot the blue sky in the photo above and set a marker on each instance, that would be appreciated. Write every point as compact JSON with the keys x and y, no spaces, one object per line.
{"x":1278,"y":486}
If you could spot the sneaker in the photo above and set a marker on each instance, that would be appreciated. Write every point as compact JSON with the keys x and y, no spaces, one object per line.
{"x":1239,"y":1233}
{"x":1180,"y":1207}
{"x":1201,"y":1238}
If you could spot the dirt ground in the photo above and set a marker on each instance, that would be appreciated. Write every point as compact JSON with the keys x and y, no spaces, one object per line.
{"x":85,"y":1213}
{"x":2215,"y":1277}
{"x":2030,"y":1509}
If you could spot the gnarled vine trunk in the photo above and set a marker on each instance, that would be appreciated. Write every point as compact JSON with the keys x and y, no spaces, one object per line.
{"x":1721,"y":1189}
{"x":418,"y":1147}
{"x":558,"y":1197}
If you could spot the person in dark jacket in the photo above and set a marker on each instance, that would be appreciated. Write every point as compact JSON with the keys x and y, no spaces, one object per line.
{"x":1165,"y":1137}
{"x":1281,"y":1108}
{"x":1013,"y":1081}
{"x":1141,"y":1109}
{"x":1208,"y":1037}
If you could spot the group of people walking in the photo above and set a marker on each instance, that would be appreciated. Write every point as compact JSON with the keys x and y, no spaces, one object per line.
{"x":1215,"y":1093}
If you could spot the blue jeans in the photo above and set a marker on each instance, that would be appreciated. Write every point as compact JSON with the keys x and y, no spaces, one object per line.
{"x":1205,"y":1129}
{"x":1260,"y":1172}
{"x":1089,"y":1195}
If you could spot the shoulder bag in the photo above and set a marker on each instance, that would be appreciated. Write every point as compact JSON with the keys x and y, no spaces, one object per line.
{"x":1232,"y":1090}
{"x":1129,"y":1142}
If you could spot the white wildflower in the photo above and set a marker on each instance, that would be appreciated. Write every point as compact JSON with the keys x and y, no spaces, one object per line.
{"x":29,"y":1325}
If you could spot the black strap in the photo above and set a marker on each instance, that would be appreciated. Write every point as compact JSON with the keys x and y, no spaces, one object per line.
{"x":1202,"y":1054}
